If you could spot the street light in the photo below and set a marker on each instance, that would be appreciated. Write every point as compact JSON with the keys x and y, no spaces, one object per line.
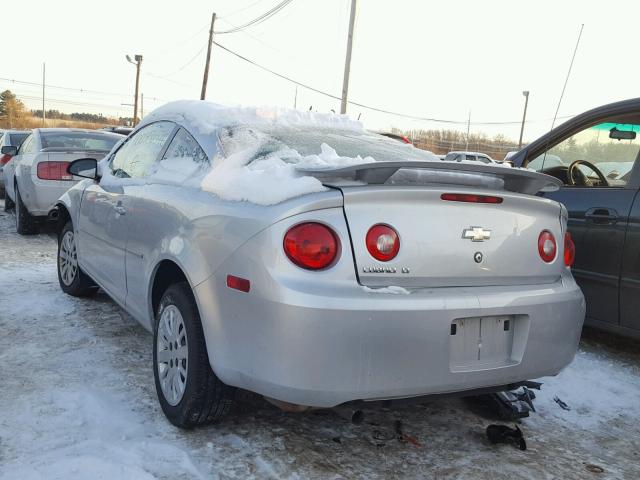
{"x":137,"y":63}
{"x":524,"y":116}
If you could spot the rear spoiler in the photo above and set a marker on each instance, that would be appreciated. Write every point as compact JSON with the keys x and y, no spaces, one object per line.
{"x":377,"y":173}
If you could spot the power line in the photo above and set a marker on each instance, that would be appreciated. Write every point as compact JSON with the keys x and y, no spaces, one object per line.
{"x":308,"y":87}
{"x":235,"y":12}
{"x":361,"y":105}
{"x":183,"y":66}
{"x":265,"y":16}
{"x":74,"y":89}
{"x":69,"y":102}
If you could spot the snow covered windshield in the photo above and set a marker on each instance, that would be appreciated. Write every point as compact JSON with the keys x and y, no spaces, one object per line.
{"x":318,"y":147}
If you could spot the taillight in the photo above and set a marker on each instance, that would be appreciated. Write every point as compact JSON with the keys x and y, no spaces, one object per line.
{"x":311,"y":245}
{"x":547,"y":246}
{"x":569,"y":250}
{"x":4,"y":159}
{"x":53,"y":171}
{"x":470,"y":198}
{"x":383,"y":242}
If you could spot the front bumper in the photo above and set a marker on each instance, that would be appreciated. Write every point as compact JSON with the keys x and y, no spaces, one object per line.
{"x":322,"y":351}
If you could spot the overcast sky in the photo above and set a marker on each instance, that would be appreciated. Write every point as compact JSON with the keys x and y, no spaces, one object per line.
{"x":436,"y":59}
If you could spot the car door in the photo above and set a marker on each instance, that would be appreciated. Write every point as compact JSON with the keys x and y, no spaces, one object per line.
{"x":598,"y":196}
{"x":630,"y":272}
{"x":9,"y":170}
{"x":107,"y":208}
{"x":21,"y":163}
{"x":159,"y":225}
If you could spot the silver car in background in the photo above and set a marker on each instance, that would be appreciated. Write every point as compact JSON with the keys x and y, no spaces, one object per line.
{"x":9,"y":138}
{"x":37,"y":175}
{"x":400,"y":277}
{"x":468,"y":156}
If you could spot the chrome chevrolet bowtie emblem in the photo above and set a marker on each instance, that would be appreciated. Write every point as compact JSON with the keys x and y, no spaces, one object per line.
{"x":476,"y":234}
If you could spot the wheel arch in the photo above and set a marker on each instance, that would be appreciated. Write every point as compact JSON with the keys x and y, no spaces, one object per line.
{"x":61,"y":215}
{"x":166,"y":273}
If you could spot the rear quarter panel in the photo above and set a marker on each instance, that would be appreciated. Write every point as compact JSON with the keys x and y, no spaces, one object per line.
{"x":196,"y":230}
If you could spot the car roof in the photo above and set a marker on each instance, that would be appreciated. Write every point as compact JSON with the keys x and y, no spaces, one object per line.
{"x":203,"y":119}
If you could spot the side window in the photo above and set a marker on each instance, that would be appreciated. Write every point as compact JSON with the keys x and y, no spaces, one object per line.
{"x":27,"y":146}
{"x":184,"y":145}
{"x":598,"y":156}
{"x":137,"y":156}
{"x":470,"y":157}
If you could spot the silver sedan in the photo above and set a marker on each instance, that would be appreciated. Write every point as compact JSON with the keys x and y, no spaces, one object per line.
{"x":316,"y":263}
{"x":37,"y":175}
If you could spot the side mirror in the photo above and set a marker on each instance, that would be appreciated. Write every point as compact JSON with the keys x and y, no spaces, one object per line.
{"x":9,"y":150}
{"x":84,"y":167}
{"x":622,"y":134}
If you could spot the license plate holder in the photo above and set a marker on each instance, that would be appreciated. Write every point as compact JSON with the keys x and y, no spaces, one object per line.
{"x":480,"y":343}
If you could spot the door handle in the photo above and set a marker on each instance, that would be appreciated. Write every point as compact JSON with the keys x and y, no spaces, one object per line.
{"x":601,"y":216}
{"x":120,"y":210}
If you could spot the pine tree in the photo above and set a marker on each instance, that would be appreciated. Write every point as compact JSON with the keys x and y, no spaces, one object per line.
{"x":11,"y":109}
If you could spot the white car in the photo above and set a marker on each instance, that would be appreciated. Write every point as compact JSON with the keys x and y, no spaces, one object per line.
{"x":37,"y":176}
{"x":9,"y":138}
{"x":469,"y":156}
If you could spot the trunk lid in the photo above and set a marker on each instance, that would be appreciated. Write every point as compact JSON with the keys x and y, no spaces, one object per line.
{"x":437,"y":247}
{"x":447,"y":243}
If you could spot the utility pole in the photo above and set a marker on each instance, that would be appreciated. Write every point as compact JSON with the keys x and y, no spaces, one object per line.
{"x":524,"y":116}
{"x":137,"y":63}
{"x":43,"y":78}
{"x":468,"y":128}
{"x":205,"y":77}
{"x":347,"y":62}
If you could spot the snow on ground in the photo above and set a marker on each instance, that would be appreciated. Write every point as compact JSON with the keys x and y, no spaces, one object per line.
{"x":77,"y":401}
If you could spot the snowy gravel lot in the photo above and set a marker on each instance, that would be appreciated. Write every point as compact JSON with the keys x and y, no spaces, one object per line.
{"x":77,"y":401}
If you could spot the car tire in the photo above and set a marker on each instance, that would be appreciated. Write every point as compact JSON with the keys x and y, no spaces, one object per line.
{"x":189,"y":392}
{"x":25,"y":223}
{"x":8,"y":203}
{"x":73,"y":281}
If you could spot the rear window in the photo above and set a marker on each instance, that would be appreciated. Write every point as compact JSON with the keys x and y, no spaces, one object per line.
{"x":52,"y":141}
{"x":16,"y":139}
{"x":289,"y":144}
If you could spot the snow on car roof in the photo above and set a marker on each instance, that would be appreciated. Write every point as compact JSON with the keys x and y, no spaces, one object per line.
{"x":208,"y":117}
{"x":266,"y":155}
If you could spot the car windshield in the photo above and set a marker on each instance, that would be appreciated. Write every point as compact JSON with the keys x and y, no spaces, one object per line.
{"x":16,"y":139}
{"x":330,"y":147}
{"x":79,"y":141}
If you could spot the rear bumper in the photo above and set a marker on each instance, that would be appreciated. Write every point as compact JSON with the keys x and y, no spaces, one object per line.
{"x":39,"y":196}
{"x":322,"y":351}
